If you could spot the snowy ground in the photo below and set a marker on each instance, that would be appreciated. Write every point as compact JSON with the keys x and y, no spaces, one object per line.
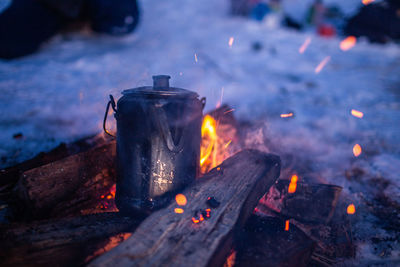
{"x":59,"y":94}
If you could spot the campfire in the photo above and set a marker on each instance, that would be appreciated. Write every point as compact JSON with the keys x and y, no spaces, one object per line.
{"x":239,"y":211}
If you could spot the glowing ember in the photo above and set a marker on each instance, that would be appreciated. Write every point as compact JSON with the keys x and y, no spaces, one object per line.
{"x":351,"y":209}
{"x":195,"y":57}
{"x":293,"y":184}
{"x":178,"y":210}
{"x":287,"y":225}
{"x":348,"y":43}
{"x":357,"y":113}
{"x":208,"y":213}
{"x":231,"y":41}
{"x":286,"y":115}
{"x":230,"y":261}
{"x":357,"y":150}
{"x":304,"y":46}
{"x":209,"y":135}
{"x":198,"y":218}
{"x":181,"y":199}
{"x":110,"y":195}
{"x":322,"y":64}
{"x":367,"y":2}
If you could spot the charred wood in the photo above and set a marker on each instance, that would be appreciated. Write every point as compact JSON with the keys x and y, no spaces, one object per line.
{"x":68,"y":186}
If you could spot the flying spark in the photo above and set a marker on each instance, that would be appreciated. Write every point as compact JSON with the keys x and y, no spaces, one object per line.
{"x":227,"y":144}
{"x":304,"y":46}
{"x":348,"y":43}
{"x":180,"y":199}
{"x":357,"y":113}
{"x":357,"y":150}
{"x":293,"y":184}
{"x":367,"y":2}
{"x":286,"y":115}
{"x":322,"y":64}
{"x":178,"y":210}
{"x":287,"y":225}
{"x":229,"y":111}
{"x":351,"y":209}
{"x":195,"y":57}
{"x":231,"y":41}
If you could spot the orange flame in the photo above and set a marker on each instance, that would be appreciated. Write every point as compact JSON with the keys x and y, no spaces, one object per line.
{"x":348,"y":43}
{"x":322,"y":64}
{"x":293,"y":184}
{"x":357,"y":150}
{"x":178,"y":210}
{"x":286,"y":115}
{"x":181,"y":199}
{"x":367,"y":2}
{"x":351,"y":209}
{"x":208,"y":131}
{"x":304,"y":46}
{"x":218,"y":140}
{"x":357,"y":113}
{"x":287,"y":225}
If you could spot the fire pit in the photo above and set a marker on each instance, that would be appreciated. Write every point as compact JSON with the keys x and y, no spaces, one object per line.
{"x":238,"y":211}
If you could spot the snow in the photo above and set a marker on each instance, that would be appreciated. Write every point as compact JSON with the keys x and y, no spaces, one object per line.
{"x":60,"y":94}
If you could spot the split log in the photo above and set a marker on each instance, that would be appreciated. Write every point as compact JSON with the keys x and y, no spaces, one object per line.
{"x":63,"y":242}
{"x":67,"y":186}
{"x":174,"y":239}
{"x":9,"y":176}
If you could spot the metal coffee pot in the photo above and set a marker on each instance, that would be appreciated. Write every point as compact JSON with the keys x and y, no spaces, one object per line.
{"x":158,"y":144}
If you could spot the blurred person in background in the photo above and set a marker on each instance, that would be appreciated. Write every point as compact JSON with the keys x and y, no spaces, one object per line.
{"x":379,"y":22}
{"x":26,"y":24}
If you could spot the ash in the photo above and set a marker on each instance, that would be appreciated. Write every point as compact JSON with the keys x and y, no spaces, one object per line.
{"x":59,"y":95}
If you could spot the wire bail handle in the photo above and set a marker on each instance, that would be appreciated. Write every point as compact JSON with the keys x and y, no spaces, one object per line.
{"x":111,"y":103}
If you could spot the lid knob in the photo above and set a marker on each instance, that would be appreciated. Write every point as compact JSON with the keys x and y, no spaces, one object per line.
{"x":161,"y":82}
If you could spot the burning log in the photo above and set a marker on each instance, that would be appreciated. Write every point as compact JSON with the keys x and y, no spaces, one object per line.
{"x":202,"y":234}
{"x":63,"y":242}
{"x":67,"y":186}
{"x":309,"y":203}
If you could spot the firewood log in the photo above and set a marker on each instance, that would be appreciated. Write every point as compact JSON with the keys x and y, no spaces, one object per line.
{"x":67,"y":186}
{"x":175,"y":239}
{"x":9,"y":176}
{"x":63,"y":242}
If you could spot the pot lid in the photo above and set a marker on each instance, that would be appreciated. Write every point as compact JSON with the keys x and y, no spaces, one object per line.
{"x":160,"y":88}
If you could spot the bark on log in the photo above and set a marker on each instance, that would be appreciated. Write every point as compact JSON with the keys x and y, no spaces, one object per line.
{"x":9,"y":176}
{"x":67,"y":186}
{"x":64,"y":242}
{"x":174,"y":239}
